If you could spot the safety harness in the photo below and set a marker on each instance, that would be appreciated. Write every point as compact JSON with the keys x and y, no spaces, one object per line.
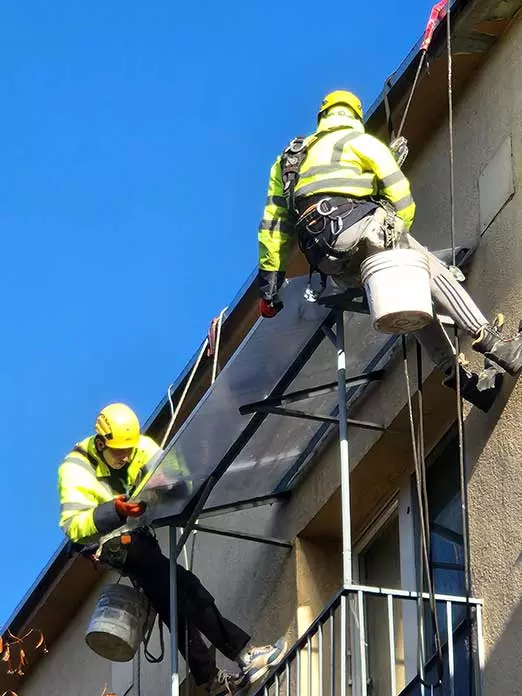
{"x":319,"y":226}
{"x":91,"y":459}
{"x":292,"y":158}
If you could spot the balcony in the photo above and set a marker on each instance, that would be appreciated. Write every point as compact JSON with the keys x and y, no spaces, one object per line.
{"x":366,"y":641}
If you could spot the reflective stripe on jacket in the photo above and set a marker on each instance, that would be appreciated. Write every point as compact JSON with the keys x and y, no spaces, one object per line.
{"x":82,"y":487}
{"x":346,"y":161}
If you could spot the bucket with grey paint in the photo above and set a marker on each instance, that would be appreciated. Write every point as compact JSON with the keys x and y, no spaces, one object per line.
{"x":397,"y":285}
{"x":117,"y":625}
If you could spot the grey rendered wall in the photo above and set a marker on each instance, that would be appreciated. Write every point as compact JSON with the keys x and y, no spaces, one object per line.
{"x":70,"y":667}
{"x":490,"y":112}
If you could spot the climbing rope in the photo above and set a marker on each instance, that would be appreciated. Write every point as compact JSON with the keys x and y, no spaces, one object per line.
{"x":436,"y":15}
{"x":460,"y":410}
{"x":211,"y":346}
{"x":398,"y":144}
{"x":425,"y":561}
{"x":174,"y":412}
{"x":425,"y":564}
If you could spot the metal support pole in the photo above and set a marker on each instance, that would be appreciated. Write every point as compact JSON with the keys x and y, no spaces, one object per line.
{"x":174,"y":662}
{"x":344,"y":453}
{"x":344,"y":648}
{"x":480,"y":653}
{"x":451,"y":651}
{"x":391,"y":638}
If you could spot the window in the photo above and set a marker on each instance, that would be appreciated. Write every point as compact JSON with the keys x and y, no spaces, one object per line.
{"x":446,"y":533}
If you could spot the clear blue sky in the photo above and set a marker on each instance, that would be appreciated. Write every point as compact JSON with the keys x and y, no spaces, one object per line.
{"x":136,"y":139}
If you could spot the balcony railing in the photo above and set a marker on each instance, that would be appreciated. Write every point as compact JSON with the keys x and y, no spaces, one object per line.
{"x":367,"y":642}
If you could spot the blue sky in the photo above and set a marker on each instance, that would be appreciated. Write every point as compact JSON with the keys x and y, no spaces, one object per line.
{"x":136,"y":140}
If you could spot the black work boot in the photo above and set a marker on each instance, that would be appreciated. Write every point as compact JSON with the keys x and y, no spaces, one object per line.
{"x":481,"y":389}
{"x":506,"y":353}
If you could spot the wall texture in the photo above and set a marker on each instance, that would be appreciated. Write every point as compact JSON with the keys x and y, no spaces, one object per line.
{"x":70,"y":667}
{"x":489,"y":112}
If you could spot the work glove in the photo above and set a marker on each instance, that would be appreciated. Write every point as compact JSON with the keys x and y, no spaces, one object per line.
{"x":269,"y":308}
{"x":269,"y":284}
{"x":126,"y":509}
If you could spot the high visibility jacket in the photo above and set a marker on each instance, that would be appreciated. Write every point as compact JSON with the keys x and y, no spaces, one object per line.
{"x":342,"y":159}
{"x":87,"y":510}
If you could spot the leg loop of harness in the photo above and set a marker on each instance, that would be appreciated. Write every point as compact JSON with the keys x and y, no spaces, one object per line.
{"x":318,"y":228}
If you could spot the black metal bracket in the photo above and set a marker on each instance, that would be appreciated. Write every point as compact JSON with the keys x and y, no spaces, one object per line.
{"x":320,"y":417}
{"x":275,"y":405}
{"x":198,"y":507}
{"x":234,"y":534}
{"x":353,"y":300}
{"x":302,"y":394}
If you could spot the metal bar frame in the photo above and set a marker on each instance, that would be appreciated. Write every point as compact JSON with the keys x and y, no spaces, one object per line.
{"x":173,"y":522}
{"x":351,"y":300}
{"x":321,"y":418}
{"x":261,"y":410}
{"x":481,"y":653}
{"x":362,"y":643}
{"x":325,"y":431}
{"x":234,"y":534}
{"x":344,"y":646}
{"x":344,"y":452}
{"x":451,"y":653}
{"x":391,"y":638}
{"x":302,"y":394}
{"x":174,"y":662}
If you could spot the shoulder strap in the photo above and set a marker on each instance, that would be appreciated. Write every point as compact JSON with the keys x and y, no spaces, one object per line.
{"x":293,"y":157}
{"x":291,"y":160}
{"x":90,"y":458}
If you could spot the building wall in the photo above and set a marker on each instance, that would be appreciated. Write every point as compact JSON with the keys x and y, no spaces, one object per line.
{"x":492,"y":112}
{"x":488,"y":114}
{"x":70,"y":667}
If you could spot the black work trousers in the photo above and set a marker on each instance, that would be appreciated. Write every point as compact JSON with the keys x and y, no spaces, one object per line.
{"x":197,"y":611}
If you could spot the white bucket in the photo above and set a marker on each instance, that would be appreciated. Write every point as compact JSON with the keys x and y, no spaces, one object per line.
{"x":397,"y":284}
{"x":118,"y":623}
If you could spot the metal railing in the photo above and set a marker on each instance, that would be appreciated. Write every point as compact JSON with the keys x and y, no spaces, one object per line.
{"x":366,"y":642}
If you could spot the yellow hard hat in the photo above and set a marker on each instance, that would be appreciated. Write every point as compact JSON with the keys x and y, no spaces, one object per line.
{"x":340,"y":96}
{"x":118,"y":425}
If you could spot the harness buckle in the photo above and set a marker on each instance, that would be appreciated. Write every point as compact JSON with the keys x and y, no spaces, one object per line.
{"x":296,"y":146}
{"x":328,"y":206}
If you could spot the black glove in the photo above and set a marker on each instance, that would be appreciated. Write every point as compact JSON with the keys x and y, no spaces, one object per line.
{"x":269,"y":283}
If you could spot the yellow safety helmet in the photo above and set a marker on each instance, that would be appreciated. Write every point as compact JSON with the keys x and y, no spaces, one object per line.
{"x":340,"y":96}
{"x":118,"y":425}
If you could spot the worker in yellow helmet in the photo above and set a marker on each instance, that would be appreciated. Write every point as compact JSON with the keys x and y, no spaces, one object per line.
{"x":341,"y":195}
{"x":95,"y":481}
